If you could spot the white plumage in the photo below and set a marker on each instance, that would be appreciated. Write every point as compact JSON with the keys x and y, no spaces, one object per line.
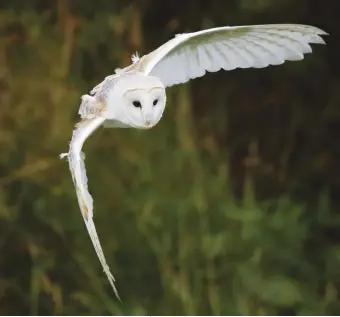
{"x":135,"y":96}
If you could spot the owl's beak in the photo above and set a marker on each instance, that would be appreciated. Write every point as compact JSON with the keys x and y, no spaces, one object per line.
{"x":148,"y":120}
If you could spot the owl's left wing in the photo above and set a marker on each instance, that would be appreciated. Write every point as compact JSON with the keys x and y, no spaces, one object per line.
{"x":188,"y":56}
{"x":77,"y":167}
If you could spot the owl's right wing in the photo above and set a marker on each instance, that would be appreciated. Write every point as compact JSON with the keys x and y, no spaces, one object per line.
{"x":76,"y":158}
{"x":188,"y":56}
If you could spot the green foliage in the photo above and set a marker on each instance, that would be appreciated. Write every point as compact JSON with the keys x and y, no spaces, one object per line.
{"x":225,"y":207}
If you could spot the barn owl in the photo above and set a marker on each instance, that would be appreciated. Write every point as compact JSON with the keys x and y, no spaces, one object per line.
{"x":134,"y":97}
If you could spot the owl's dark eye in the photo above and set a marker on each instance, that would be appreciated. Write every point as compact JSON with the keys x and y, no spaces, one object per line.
{"x":155,"y":102}
{"x":137,"y":104}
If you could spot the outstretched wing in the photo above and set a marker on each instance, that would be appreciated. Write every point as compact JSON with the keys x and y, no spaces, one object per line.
{"x":190,"y":55}
{"x":77,"y":167}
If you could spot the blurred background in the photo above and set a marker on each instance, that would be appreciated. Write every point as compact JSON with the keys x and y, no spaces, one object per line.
{"x":230,"y":205}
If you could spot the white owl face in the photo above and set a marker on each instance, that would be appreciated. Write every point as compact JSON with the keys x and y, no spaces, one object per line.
{"x":137,"y":101}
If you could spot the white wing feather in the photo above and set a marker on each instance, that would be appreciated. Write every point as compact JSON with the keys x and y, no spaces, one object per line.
{"x":77,"y":167}
{"x":188,"y":56}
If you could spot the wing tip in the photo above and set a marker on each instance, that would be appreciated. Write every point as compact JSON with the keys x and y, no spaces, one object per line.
{"x":320,"y":31}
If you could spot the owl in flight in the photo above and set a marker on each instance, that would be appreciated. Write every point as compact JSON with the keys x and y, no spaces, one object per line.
{"x":134,"y":97}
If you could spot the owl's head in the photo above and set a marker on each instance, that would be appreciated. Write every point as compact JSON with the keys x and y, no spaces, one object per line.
{"x":137,"y":101}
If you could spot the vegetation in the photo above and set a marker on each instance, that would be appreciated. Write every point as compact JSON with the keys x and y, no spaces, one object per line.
{"x":228,"y":206}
